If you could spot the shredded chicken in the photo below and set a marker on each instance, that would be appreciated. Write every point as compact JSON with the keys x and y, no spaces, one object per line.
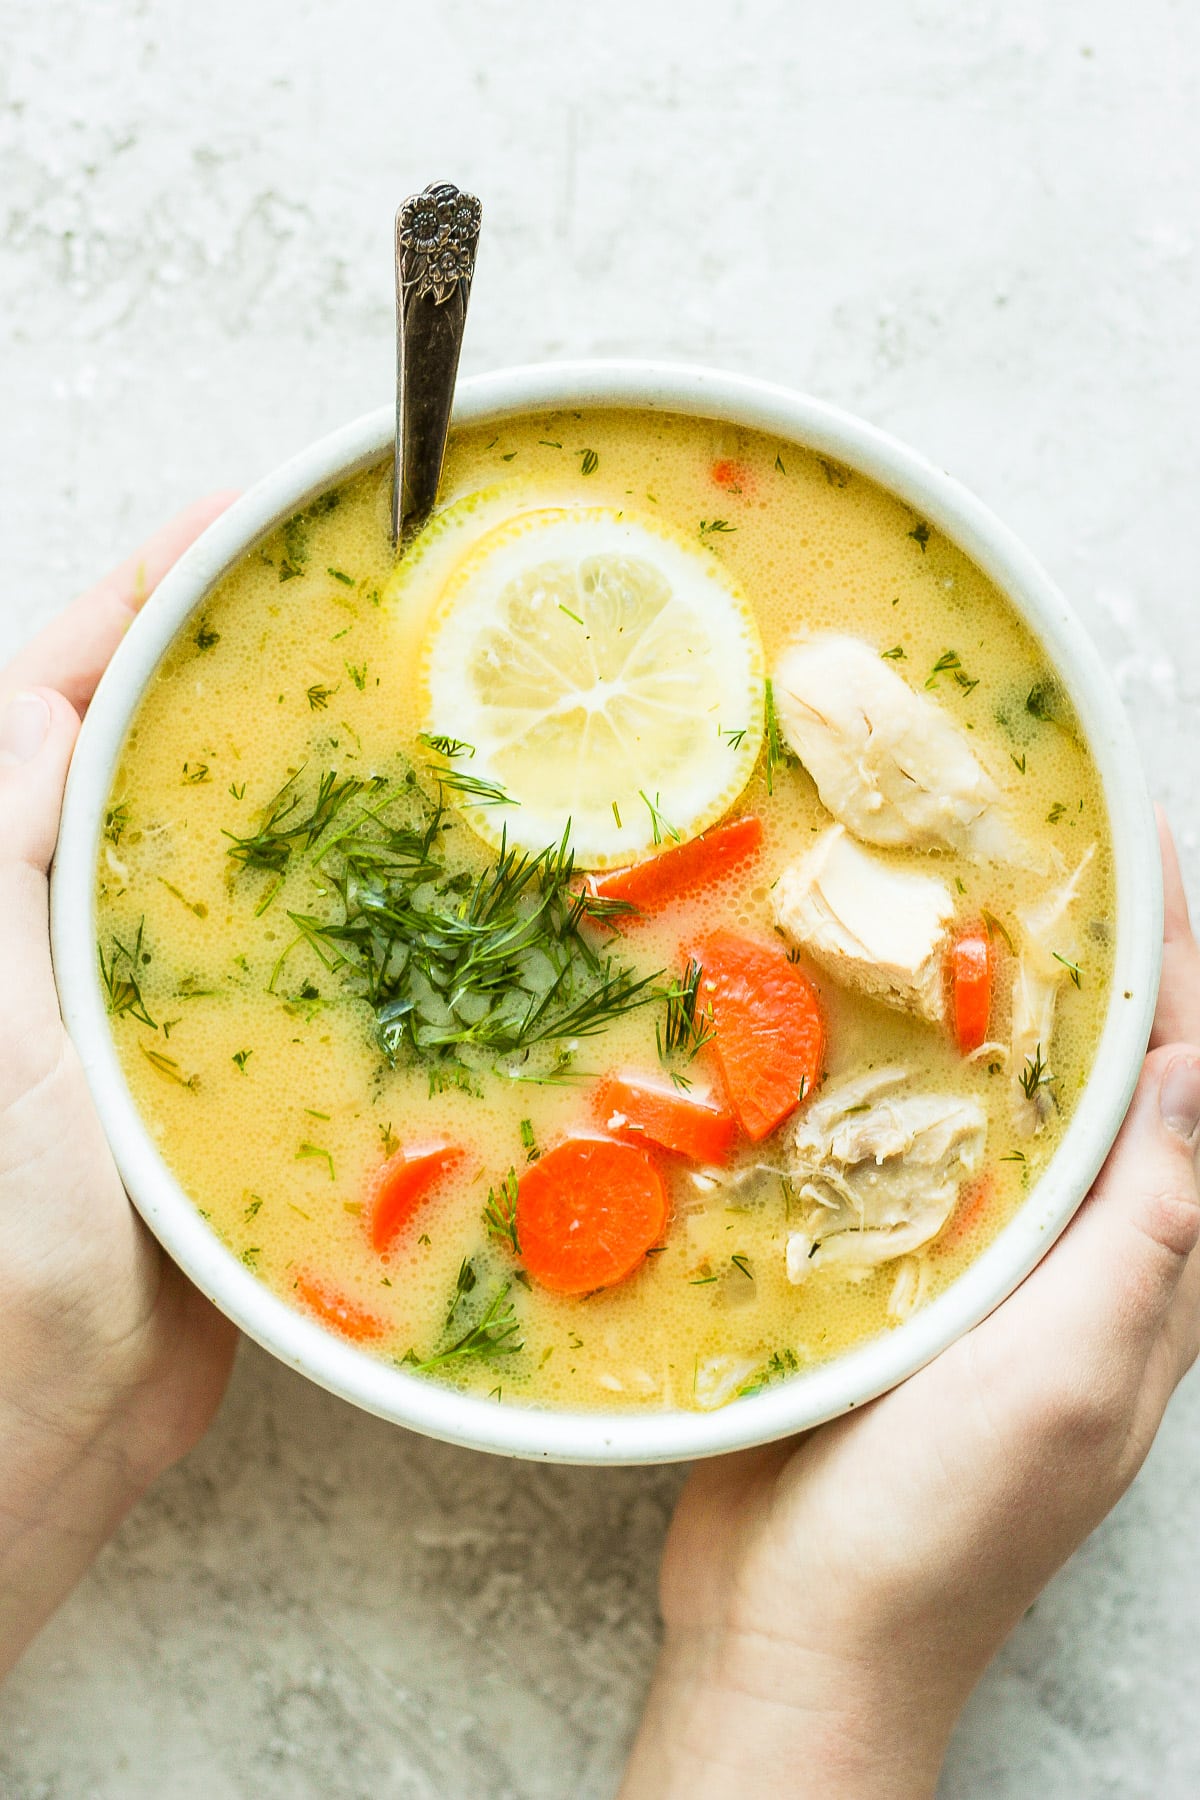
{"x":876,"y":926}
{"x":1048,"y":957}
{"x":878,"y":1171}
{"x":889,"y":764}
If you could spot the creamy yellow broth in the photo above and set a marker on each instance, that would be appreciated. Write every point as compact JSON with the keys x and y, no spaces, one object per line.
{"x":262,"y":1081}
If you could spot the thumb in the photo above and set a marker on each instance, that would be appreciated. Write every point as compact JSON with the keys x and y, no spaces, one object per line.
{"x":1103,"y":1296}
{"x":37,"y":734}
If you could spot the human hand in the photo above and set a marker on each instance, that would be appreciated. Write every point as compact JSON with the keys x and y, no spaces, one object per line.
{"x":111,"y":1363}
{"x":830,"y":1603}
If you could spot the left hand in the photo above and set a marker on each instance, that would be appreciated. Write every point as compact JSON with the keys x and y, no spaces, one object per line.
{"x":111,"y":1363}
{"x":830,"y":1603}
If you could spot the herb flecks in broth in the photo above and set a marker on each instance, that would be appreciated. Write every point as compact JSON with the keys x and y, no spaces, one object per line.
{"x":325,"y":955}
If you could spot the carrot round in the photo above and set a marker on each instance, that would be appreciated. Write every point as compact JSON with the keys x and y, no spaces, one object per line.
{"x":397,"y":1188}
{"x":341,"y":1315}
{"x":587,"y":1213}
{"x":768,"y":1028}
{"x":642,"y":1107}
{"x":696,"y":864}
{"x":970,"y":961}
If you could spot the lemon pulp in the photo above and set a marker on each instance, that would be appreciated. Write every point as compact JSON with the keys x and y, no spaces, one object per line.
{"x":608,"y":677}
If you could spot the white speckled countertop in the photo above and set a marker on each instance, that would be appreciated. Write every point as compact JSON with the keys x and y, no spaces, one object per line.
{"x":975,"y":221}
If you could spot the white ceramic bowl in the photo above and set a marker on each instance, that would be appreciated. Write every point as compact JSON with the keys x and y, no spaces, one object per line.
{"x":806,"y":1400}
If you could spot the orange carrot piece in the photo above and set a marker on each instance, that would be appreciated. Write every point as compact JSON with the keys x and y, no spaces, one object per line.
{"x":587,"y":1212}
{"x":768,"y":1028}
{"x":973,"y":1203}
{"x":970,"y":970}
{"x":640,"y":1106}
{"x":397,"y":1188}
{"x":343,"y":1316}
{"x":668,"y":876}
{"x":734,"y":477}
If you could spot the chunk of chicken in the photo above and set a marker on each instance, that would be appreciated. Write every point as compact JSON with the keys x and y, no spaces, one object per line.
{"x":888,"y":762}
{"x":878,"y":1171}
{"x":875,"y":926}
{"x":1048,"y":954}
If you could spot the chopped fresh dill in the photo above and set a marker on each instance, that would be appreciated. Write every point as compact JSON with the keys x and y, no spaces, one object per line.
{"x":1073,"y":969}
{"x":500,"y":1213}
{"x":285,"y":827}
{"x":194,"y":906}
{"x":238,"y":789}
{"x":492,"y":1335}
{"x":446,"y":746}
{"x":686,"y":1028}
{"x":528,"y":1141}
{"x":206,"y":637}
{"x":714,"y":528}
{"x":569,"y":613}
{"x":241,"y":1058}
{"x":997,"y":926}
{"x":122,"y":988}
{"x":1019,"y":761}
{"x":743,"y":1263}
{"x":1057,"y":811}
{"x":253,"y":1209}
{"x":341,"y":575}
{"x":920,"y":534}
{"x":465,"y":1284}
{"x":950,"y":663}
{"x":166,"y":1065}
{"x":779,"y":1365}
{"x":115,"y":821}
{"x":358,"y":674}
{"x":616,"y":812}
{"x":1014,"y":1156}
{"x":778,"y":754}
{"x":472,"y":788}
{"x":319,"y":696}
{"x":1035,"y":1074}
{"x":659,"y":825}
{"x":450,"y":959}
{"x":779,"y":464}
{"x":314,"y":1153}
{"x":195,"y":773}
{"x":895,"y":654}
{"x":733,"y":738}
{"x":589,"y":462}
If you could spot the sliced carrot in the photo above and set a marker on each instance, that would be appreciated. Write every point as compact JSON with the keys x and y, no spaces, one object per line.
{"x":587,"y":1213}
{"x":397,"y":1188}
{"x":970,"y":970}
{"x":973,"y":1203}
{"x":641,"y":1106}
{"x":734,"y":477}
{"x":668,"y":876}
{"x":344,"y":1316}
{"x":768,"y":1028}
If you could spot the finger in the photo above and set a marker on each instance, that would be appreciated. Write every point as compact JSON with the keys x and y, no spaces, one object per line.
{"x":1091,"y":1313}
{"x":1177,"y":1018}
{"x":37,"y":734}
{"x":73,"y":651}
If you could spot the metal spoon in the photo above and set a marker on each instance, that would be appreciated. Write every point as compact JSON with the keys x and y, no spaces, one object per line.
{"x":437,"y":235}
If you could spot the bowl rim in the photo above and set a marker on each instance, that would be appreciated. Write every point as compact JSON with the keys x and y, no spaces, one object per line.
{"x":814,"y":1396}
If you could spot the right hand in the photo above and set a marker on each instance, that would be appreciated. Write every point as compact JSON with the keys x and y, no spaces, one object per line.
{"x":830,"y":1603}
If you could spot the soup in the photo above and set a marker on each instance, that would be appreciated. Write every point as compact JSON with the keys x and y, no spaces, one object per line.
{"x":639,"y":946}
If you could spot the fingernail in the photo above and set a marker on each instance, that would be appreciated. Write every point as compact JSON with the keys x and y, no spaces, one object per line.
{"x":1179,"y":1097}
{"x":23,"y":728}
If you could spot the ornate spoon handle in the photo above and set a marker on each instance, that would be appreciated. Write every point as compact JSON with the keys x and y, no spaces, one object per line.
{"x":437,"y":235}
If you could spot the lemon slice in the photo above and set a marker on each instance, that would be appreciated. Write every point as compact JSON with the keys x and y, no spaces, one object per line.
{"x":415,"y":585}
{"x":608,"y":675}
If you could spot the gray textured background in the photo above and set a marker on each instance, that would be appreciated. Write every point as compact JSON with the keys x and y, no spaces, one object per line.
{"x":974,"y":221}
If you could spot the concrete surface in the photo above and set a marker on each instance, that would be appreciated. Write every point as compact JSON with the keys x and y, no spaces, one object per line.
{"x":974,"y":221}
